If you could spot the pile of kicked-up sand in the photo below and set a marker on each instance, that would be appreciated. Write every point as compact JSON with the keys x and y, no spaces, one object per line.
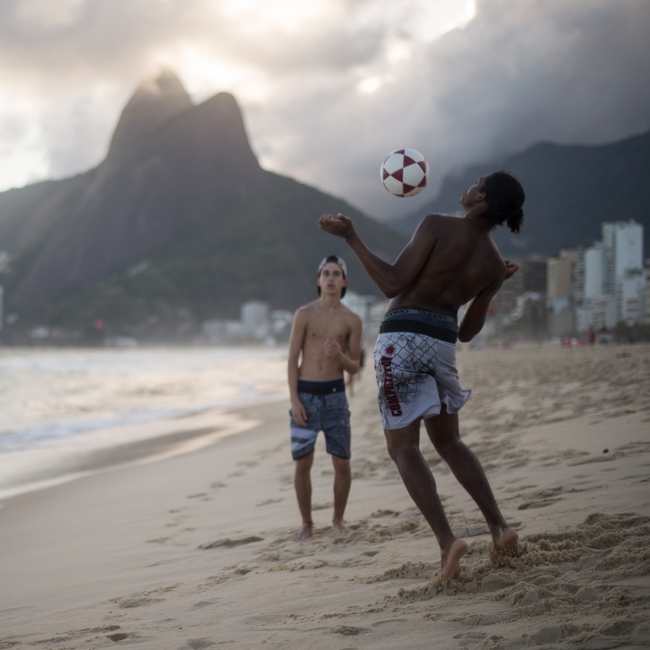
{"x":195,"y":551}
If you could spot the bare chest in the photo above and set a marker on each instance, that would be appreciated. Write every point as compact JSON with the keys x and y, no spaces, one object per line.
{"x":321,"y":331}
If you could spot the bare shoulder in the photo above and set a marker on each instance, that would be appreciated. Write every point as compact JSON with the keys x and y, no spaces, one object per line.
{"x":439,"y":222}
{"x":306,"y":312}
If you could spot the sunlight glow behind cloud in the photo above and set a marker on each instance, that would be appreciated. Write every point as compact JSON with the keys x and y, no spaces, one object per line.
{"x":203,"y":74}
{"x":262,"y":16}
{"x":369,"y":85}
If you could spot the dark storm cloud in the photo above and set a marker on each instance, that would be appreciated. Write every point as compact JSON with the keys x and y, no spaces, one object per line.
{"x":569,"y":72}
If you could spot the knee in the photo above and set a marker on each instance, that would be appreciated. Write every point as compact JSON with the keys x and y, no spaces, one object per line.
{"x":393,"y":448}
{"x":446,"y":445}
{"x":341,"y":466}
{"x":403,"y":442}
{"x":398,"y":448}
{"x":303,"y":465}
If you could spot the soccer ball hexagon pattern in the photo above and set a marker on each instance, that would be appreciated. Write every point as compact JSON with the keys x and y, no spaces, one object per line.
{"x":405,"y":172}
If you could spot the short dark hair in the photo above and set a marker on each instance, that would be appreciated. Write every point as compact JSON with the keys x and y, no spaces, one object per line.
{"x":337,"y":260}
{"x":505,"y":197}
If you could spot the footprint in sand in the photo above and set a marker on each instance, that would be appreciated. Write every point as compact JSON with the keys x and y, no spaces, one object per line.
{"x":66,"y":637}
{"x":542,"y":498}
{"x":268,"y":502}
{"x":159,"y":540}
{"x":541,"y":503}
{"x":408,"y":571}
{"x":297,"y":565}
{"x":135,"y":601}
{"x":229,"y":543}
{"x":349,"y":630}
{"x":196,"y":644}
{"x":384,"y":513}
{"x":144,"y":598}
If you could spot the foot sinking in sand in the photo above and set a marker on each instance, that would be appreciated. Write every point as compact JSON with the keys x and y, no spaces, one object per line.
{"x":307,"y":530}
{"x":450,"y":559}
{"x":506,"y":543}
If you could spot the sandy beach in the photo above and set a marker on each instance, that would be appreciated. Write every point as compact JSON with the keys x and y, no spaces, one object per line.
{"x":194,"y":550}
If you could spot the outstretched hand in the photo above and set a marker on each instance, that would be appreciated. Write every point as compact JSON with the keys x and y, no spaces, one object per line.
{"x":511,"y":269}
{"x":341,"y":226}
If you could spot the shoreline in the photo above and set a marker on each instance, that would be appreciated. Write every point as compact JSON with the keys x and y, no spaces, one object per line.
{"x":157,"y":441}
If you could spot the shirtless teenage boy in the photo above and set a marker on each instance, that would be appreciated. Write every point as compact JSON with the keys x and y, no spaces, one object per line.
{"x":449,"y":262}
{"x":325,"y":343}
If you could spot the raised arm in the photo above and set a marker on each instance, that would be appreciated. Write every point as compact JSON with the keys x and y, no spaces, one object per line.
{"x":391,"y":279}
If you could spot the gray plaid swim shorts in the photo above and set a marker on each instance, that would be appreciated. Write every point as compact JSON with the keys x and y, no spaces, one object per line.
{"x":327,"y":410}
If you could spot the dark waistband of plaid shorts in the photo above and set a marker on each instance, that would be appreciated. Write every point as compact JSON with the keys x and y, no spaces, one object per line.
{"x":417,"y":327}
{"x":321,"y":387}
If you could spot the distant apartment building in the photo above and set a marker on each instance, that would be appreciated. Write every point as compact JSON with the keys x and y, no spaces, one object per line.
{"x":559,"y":275}
{"x":560,"y":298}
{"x":281,"y":321}
{"x":361,"y":306}
{"x":255,"y":318}
{"x":610,"y":278}
{"x":521,"y":299}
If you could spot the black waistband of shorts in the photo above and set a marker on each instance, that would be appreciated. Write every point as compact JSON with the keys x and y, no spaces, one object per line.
{"x":423,"y":315}
{"x":321,"y":387}
{"x":416,"y":327}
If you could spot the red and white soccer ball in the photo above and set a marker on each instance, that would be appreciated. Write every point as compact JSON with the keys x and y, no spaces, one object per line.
{"x":405,"y":172}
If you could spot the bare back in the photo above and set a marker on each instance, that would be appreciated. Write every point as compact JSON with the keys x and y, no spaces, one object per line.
{"x":459,"y":260}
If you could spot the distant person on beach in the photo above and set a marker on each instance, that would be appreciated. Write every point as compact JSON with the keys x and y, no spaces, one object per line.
{"x":449,"y":262}
{"x":591,"y":335}
{"x":325,"y":343}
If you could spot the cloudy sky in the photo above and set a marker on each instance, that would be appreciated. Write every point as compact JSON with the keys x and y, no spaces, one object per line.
{"x":327,"y":87}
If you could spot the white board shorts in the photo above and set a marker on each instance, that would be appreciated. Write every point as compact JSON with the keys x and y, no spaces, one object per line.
{"x":416,"y":374}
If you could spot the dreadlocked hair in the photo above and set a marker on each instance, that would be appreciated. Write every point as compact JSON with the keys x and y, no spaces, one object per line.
{"x":505,"y":197}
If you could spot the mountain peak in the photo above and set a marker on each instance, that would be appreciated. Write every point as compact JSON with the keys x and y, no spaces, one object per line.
{"x":155,"y":101}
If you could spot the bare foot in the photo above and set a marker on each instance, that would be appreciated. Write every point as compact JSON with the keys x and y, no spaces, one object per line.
{"x":508,"y":542}
{"x":305,"y":532}
{"x":341,"y":527}
{"x":451,"y":559}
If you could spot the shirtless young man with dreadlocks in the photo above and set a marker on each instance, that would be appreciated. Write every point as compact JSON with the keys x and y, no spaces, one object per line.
{"x":449,"y":262}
